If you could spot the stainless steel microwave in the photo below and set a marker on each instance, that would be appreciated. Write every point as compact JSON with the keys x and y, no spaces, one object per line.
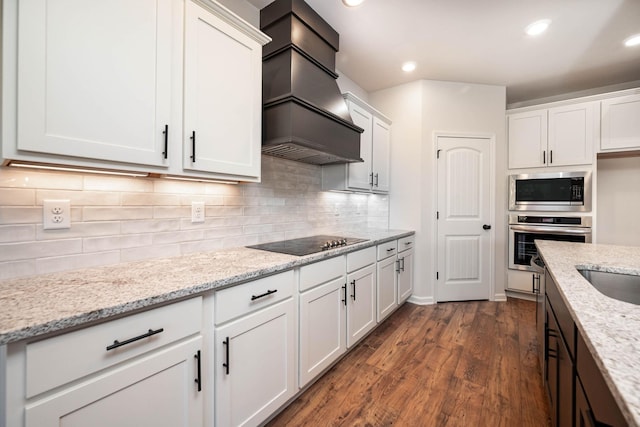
{"x":556,"y":191}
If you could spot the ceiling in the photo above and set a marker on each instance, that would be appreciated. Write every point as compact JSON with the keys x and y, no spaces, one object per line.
{"x":483,"y":41}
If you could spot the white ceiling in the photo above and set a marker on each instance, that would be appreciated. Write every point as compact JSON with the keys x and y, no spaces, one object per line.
{"x":483,"y":41}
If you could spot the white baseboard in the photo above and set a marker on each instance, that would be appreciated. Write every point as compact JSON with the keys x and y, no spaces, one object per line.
{"x":421,"y":300}
{"x":500,"y":297}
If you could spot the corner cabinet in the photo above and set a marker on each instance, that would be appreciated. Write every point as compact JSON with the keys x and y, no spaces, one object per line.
{"x":558,"y":136}
{"x":621,"y":123}
{"x":132,"y":87}
{"x":372,"y":175}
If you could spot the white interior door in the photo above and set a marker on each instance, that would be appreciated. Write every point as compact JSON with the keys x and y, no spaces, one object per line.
{"x":464,"y":239}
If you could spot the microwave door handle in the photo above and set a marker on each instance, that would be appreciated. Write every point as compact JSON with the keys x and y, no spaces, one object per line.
{"x":550,"y":230}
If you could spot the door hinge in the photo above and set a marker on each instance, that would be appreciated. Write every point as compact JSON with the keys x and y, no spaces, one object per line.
{"x":438,"y":153}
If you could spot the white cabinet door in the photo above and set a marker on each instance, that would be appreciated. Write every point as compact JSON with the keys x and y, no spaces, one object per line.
{"x":360,"y":173}
{"x":222,"y":97}
{"x":361,"y":304}
{"x":95,"y":78}
{"x":571,"y":134}
{"x":156,"y":390}
{"x":255,"y":365}
{"x":405,"y":275}
{"x":621,"y":123}
{"x":387,"y":287}
{"x":527,"y":133}
{"x":381,"y":150}
{"x":322,"y":328}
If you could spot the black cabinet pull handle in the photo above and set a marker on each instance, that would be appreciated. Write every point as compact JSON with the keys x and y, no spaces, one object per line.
{"x":353,"y":283}
{"x":391,"y":249}
{"x":147,"y":334}
{"x":193,"y":146}
{"x":199,"y":379}
{"x":165,"y":153}
{"x":533,"y":283}
{"x":344,"y":288}
{"x":226,"y":364}
{"x":408,"y":243}
{"x":550,"y":157}
{"x":371,"y":179}
{"x":255,"y":297}
{"x":402,"y":259}
{"x":397,"y":266}
{"x":544,"y":157}
{"x":376,"y":184}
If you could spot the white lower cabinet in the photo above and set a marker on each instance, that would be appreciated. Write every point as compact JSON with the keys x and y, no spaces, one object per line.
{"x":387,"y":281}
{"x":255,"y":355}
{"x":361,"y":303}
{"x":404,"y":268}
{"x":322,"y":328}
{"x":156,"y":390}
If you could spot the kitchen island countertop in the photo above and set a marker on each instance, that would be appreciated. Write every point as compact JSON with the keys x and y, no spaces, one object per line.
{"x":611,"y":328}
{"x":38,"y":305}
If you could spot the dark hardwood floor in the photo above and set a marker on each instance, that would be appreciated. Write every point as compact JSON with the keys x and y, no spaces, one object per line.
{"x":450,"y":364}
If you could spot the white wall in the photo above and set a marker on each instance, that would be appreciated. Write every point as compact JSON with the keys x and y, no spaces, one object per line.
{"x":419,"y":110}
{"x":618,"y":191}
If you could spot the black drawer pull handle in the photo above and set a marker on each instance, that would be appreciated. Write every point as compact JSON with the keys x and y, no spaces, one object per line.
{"x":117,"y":343}
{"x":407,"y":243}
{"x":255,"y":297}
{"x":226,"y":344}
{"x":391,"y":249}
{"x":199,"y":379}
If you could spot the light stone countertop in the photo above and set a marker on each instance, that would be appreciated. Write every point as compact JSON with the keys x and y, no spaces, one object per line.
{"x":38,"y":305}
{"x":611,"y":328}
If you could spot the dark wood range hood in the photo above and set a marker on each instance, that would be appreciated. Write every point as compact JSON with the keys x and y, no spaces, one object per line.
{"x":305,"y":117}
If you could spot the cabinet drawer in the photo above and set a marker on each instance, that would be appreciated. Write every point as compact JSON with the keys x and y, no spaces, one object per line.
{"x":321,"y":272}
{"x":362,"y":258}
{"x":406,"y":243}
{"x":59,"y":360}
{"x":388,"y":249}
{"x":242,"y":299}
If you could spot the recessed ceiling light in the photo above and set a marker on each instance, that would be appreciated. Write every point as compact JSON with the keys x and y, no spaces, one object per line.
{"x":634,"y":40}
{"x":408,"y":66}
{"x":352,"y":3}
{"x":538,"y":27}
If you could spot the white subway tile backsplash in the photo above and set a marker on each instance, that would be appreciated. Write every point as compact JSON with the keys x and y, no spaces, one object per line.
{"x":120,"y":219}
{"x":17,"y":196}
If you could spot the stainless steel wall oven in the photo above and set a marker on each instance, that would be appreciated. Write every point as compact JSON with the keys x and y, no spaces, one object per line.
{"x":525,"y":229}
{"x":556,"y":192}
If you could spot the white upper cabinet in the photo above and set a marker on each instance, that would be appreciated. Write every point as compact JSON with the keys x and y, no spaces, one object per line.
{"x":222,"y":97}
{"x":558,"y":136}
{"x":94,"y":79}
{"x":138,"y":86}
{"x":371,"y":175}
{"x":621,"y":123}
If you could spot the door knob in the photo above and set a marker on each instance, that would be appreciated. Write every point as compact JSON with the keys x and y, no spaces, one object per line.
{"x":486,"y":227}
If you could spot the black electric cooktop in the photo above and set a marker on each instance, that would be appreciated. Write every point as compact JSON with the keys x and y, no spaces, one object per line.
{"x":307,"y":245}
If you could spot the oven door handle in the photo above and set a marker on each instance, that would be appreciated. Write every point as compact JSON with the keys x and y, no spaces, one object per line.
{"x":550,"y":230}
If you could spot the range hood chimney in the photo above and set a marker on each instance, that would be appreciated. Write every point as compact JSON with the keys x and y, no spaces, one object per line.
{"x":305,"y":117}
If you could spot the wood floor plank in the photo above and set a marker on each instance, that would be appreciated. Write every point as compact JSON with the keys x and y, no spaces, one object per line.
{"x":452,"y":364}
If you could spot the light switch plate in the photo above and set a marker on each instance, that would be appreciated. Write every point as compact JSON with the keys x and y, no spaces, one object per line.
{"x":56,"y":214}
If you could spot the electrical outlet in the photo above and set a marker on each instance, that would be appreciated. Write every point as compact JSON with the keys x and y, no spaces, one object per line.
{"x":56,"y":214}
{"x":197,"y":212}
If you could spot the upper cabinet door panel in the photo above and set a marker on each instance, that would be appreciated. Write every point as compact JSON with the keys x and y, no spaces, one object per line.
{"x":381,"y":151}
{"x":222,"y":99}
{"x":571,"y":135}
{"x":94,"y":78}
{"x":621,"y":123}
{"x":359,"y":173}
{"x":527,"y":139}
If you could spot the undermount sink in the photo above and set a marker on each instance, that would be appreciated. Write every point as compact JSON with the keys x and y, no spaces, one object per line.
{"x":623,"y":287}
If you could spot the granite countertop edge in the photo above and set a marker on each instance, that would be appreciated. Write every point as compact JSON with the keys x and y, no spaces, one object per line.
{"x":23,"y":322}
{"x":610,"y":328}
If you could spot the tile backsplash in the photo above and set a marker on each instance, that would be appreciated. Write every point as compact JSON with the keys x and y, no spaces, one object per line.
{"x":118,"y":219}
